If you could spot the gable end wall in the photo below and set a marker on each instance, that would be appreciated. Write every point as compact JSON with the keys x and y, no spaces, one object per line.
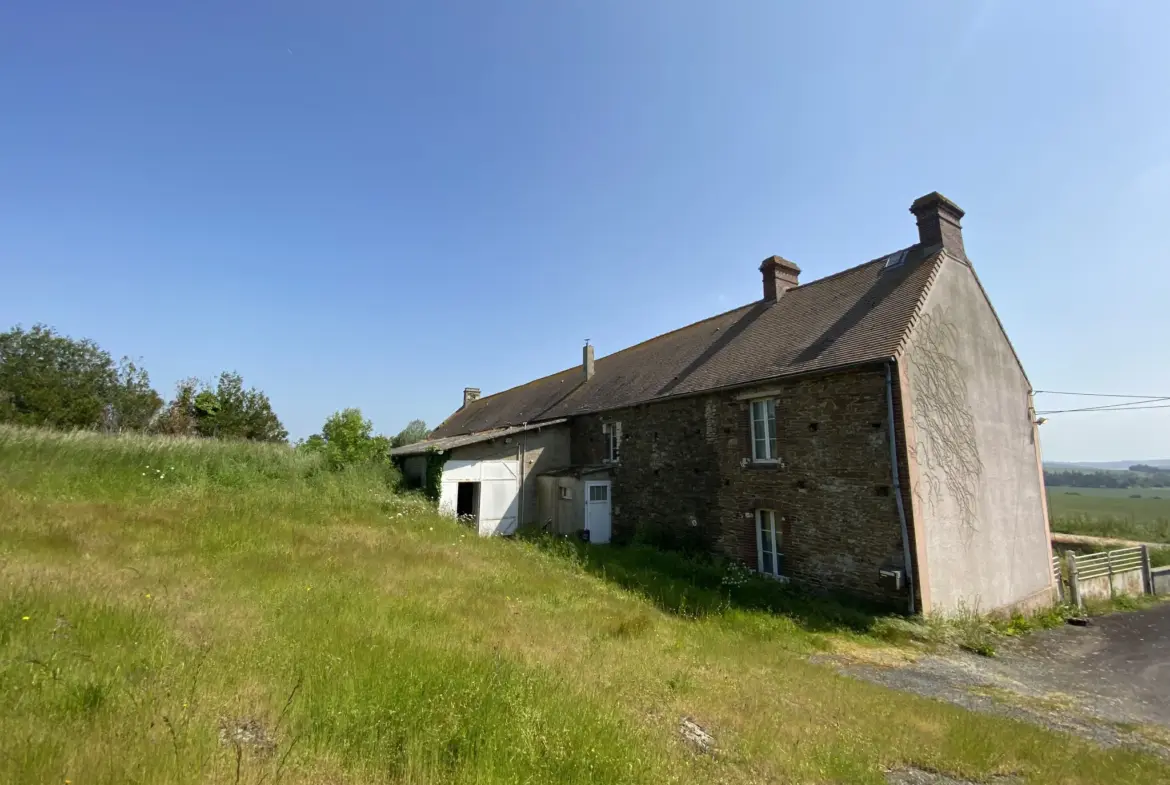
{"x":977,"y":491}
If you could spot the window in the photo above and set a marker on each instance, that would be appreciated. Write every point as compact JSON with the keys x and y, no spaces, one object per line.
{"x":566,"y":492}
{"x":764,"y":429}
{"x":768,"y":544}
{"x":599,"y":492}
{"x":613,"y":440}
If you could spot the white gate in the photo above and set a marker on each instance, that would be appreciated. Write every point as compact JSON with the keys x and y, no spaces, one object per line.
{"x":499,"y":492}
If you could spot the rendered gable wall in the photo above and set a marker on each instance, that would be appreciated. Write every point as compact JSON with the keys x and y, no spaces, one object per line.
{"x":976,"y":490}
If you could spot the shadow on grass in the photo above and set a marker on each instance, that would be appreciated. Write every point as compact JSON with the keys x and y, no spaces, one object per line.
{"x":696,"y":586}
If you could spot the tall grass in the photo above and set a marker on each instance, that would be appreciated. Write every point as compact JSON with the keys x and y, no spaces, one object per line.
{"x":249,"y":617}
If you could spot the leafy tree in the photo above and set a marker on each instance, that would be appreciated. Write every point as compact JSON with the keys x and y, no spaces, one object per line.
{"x":347,"y":439}
{"x":236,"y":413}
{"x":227,"y":412}
{"x":415,"y":431}
{"x":178,"y":417}
{"x":135,"y":402}
{"x":48,"y":379}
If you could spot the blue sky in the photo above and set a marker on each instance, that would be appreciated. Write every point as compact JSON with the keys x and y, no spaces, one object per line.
{"x":377,"y":204}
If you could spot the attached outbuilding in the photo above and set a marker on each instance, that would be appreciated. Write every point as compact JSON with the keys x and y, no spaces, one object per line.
{"x":490,"y":477}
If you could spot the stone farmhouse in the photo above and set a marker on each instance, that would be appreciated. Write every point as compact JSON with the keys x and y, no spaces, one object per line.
{"x":870,"y":432}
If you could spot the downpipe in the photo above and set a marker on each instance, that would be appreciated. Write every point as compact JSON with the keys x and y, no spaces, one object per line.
{"x":906,"y":557}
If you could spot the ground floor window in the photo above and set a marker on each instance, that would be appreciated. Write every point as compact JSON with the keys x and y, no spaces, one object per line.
{"x":769,"y":544}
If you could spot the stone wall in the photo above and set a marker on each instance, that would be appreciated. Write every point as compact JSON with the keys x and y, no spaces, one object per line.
{"x":666,"y":483}
{"x":686,"y":478}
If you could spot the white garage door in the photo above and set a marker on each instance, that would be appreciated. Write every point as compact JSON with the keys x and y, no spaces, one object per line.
{"x":499,"y":492}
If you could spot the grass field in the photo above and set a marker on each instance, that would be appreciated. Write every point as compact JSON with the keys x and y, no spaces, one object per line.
{"x":1111,"y":512}
{"x":193,"y":612}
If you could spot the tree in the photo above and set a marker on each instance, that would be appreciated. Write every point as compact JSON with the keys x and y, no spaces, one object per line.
{"x":135,"y":402}
{"x":347,"y":439}
{"x":235,"y":413}
{"x":178,"y":417}
{"x":415,"y":431}
{"x":48,"y":379}
{"x":226,"y":412}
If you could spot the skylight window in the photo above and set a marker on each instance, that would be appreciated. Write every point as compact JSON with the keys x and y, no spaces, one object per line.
{"x":896,"y":259}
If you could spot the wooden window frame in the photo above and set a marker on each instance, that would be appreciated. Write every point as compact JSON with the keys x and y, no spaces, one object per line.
{"x":613,"y":441}
{"x":775,"y":540}
{"x":770,"y":441}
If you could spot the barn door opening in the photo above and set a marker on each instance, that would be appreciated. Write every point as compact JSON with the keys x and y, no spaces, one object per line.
{"x":467,"y":500}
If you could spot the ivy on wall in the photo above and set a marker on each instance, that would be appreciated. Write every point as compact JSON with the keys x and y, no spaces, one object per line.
{"x":433,"y":479}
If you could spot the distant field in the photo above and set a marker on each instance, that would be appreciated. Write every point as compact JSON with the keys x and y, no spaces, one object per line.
{"x":1111,"y":512}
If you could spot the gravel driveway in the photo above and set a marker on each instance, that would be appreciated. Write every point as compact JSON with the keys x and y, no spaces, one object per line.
{"x":1109,"y":682}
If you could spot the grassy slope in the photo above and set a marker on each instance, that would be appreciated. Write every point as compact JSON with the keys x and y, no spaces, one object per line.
{"x":1111,"y":512}
{"x":380,"y":643}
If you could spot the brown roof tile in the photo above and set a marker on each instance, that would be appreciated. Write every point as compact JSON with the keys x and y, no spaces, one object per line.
{"x":857,"y":315}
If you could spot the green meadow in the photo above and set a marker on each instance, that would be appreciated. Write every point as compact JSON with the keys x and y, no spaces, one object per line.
{"x":186,"y":611}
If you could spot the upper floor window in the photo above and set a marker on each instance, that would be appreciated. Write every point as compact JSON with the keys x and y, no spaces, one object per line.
{"x":613,"y":441}
{"x":764,"y":429}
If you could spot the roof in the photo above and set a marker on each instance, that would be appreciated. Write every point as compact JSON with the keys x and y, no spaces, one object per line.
{"x":858,"y":315}
{"x":450,"y":442}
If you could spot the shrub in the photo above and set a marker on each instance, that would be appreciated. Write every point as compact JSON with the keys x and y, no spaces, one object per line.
{"x":347,"y":440}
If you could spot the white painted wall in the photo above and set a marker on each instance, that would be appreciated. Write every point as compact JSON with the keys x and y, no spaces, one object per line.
{"x":499,"y":492}
{"x":541,"y":450}
{"x":977,"y":492}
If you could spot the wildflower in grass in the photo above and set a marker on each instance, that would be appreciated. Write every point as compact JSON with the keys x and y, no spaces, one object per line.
{"x":24,"y":618}
{"x":148,"y":596}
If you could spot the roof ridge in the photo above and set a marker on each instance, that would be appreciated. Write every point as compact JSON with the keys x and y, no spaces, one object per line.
{"x":525,"y":384}
{"x":812,"y":283}
{"x":854,"y":268}
{"x":699,"y":344}
{"x":612,"y":354}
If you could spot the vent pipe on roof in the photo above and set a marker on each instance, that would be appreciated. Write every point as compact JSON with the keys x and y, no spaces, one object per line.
{"x":470,"y":394}
{"x":780,"y":275}
{"x":938,"y":222}
{"x":587,"y":360}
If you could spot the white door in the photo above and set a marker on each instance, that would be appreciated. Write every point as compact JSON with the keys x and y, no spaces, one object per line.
{"x":499,"y":492}
{"x":499,"y":497}
{"x":597,"y":510}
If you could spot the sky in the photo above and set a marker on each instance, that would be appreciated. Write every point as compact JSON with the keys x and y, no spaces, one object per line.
{"x":377,"y":204}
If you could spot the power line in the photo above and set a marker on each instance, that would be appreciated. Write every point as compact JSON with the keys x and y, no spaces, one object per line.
{"x":1120,"y":406}
{"x":1109,"y":408}
{"x":1100,"y":395}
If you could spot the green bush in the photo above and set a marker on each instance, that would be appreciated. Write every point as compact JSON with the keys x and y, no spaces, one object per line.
{"x":347,"y":441}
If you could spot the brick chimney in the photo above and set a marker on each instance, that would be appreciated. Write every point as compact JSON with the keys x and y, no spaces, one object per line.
{"x":780,"y":275}
{"x":587,"y":361}
{"x":938,"y":222}
{"x":470,"y":394}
